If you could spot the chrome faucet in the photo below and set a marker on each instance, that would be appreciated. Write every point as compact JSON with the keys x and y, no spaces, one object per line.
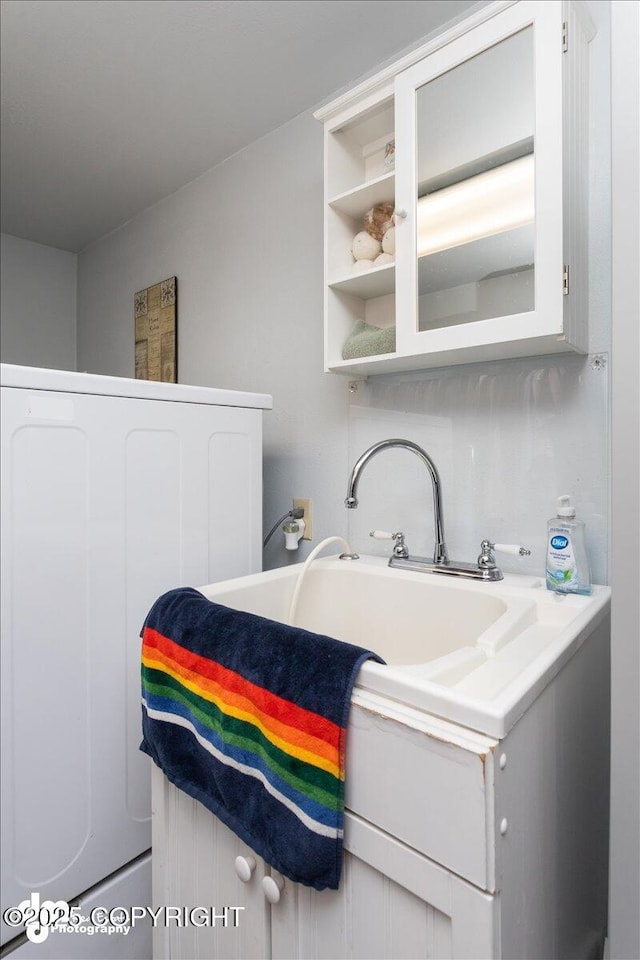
{"x":484,"y":569}
{"x":440,"y":549}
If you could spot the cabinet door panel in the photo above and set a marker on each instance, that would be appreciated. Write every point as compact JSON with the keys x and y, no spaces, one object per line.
{"x":194,"y":866}
{"x":392,"y":902}
{"x":369,"y":917}
{"x":461,"y":325}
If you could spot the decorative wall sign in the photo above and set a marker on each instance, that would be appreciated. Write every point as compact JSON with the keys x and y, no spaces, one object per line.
{"x":155,"y":319}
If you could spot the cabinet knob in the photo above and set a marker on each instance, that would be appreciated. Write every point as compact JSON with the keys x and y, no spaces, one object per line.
{"x":273,"y":887}
{"x":245,"y":867}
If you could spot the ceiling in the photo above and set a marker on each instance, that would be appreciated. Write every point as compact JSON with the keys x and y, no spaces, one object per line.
{"x":110,"y":105}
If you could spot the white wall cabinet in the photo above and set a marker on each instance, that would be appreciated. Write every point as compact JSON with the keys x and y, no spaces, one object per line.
{"x":489,"y":123}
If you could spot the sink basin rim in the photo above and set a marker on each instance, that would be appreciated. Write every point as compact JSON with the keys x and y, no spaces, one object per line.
{"x":563,"y":621}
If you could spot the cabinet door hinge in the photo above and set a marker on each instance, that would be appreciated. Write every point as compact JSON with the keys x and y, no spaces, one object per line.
{"x":565,"y":36}
{"x":565,"y":280}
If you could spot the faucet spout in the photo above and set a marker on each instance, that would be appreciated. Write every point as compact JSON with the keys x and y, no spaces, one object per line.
{"x":440,"y":555}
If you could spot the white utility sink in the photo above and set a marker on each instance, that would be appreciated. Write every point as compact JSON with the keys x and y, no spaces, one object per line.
{"x":472,"y":652}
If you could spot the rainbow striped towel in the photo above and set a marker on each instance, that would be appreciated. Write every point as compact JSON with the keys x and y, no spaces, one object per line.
{"x":249,"y":717}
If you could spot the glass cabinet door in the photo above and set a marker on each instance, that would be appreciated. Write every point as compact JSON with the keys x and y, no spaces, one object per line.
{"x":479,"y":174}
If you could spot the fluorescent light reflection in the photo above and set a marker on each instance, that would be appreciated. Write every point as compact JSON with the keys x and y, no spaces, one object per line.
{"x":482,"y":206}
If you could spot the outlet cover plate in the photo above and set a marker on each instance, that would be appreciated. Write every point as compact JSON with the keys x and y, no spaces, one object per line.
{"x":306,"y":505}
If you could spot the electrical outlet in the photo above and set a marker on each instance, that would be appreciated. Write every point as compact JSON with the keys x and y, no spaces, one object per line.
{"x":306,"y":505}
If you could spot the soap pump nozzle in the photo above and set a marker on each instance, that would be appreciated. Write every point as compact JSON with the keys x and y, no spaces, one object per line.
{"x":564,"y":506}
{"x":293,"y":532}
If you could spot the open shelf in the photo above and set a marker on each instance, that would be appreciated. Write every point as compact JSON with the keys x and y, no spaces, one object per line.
{"x":376,"y":282}
{"x":356,"y":202}
{"x":356,"y":148}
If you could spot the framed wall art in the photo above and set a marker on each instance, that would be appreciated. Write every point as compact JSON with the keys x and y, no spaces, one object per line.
{"x":155,"y":310}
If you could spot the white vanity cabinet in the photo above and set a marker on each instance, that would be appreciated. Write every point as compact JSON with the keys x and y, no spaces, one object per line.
{"x":489,"y":123}
{"x":457,"y":845}
{"x":393,"y":901}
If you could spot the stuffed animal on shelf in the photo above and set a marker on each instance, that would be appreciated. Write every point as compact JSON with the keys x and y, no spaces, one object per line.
{"x":361,"y":266}
{"x":389,"y":241}
{"x":375,"y":245}
{"x":379,"y":219}
{"x":365,"y":247}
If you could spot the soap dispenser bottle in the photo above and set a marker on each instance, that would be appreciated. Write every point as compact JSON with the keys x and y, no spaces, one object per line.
{"x":567,"y":561}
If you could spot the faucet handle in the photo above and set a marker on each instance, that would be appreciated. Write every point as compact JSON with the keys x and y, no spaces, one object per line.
{"x":400,"y":549}
{"x":487,"y":559}
{"x":513,"y":549}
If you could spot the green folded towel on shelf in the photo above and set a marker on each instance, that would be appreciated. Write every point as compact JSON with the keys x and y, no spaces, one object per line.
{"x":366,"y":340}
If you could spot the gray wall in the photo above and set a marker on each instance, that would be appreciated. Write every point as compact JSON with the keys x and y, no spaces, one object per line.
{"x":245,"y":241}
{"x":38,"y":306}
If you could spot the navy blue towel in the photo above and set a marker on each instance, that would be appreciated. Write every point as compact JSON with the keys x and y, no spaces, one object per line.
{"x":249,"y":716}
